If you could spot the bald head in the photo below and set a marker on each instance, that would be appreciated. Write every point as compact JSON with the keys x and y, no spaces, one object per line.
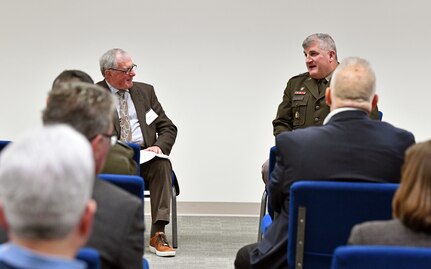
{"x":353,"y":84}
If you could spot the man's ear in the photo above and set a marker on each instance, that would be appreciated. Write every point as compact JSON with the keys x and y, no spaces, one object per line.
{"x":332,"y":55}
{"x":3,"y":221}
{"x":328,"y":99}
{"x":86,"y":222}
{"x":374,"y":101}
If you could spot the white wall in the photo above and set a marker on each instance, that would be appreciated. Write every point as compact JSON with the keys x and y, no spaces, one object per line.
{"x":219,"y":69}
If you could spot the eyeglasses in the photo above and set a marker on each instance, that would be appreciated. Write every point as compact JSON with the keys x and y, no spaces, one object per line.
{"x":113,"y":138}
{"x":127,"y":71}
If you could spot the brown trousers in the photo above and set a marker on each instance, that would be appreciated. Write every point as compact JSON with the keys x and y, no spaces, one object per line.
{"x":158,"y":175}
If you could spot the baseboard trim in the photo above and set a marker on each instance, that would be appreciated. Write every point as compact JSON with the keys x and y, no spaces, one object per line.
{"x":214,"y":209}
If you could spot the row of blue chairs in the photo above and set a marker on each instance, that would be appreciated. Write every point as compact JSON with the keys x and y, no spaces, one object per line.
{"x":321,"y":216}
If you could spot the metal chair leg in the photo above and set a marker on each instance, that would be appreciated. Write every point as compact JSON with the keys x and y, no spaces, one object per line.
{"x":174,"y":219}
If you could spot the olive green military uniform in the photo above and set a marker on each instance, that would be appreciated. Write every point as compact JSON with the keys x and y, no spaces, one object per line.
{"x":120,"y":160}
{"x":304,"y":104}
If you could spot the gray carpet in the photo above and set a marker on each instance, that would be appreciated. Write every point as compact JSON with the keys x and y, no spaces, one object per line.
{"x":205,"y":242}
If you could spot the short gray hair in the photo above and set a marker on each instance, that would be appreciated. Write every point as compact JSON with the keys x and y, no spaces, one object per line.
{"x":109,"y":59}
{"x":86,"y":107}
{"x":325,"y":42}
{"x":46,"y":179}
{"x":354,"y":80}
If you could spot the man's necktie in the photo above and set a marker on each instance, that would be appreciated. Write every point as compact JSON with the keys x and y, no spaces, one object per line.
{"x":126,"y":132}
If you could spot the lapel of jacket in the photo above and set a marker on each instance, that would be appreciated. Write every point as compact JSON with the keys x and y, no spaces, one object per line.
{"x":141,"y":110}
{"x":311,"y":85}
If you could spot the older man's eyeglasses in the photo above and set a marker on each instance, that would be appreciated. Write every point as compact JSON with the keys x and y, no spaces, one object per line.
{"x":127,"y":71}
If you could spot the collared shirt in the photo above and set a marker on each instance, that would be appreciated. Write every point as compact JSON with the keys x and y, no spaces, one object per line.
{"x":133,"y":116}
{"x":20,"y":257}
{"x":336,"y":111}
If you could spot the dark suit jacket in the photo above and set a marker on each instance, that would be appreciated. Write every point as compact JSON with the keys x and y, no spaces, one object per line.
{"x":117,"y":228}
{"x":350,"y":146}
{"x":161,"y":132}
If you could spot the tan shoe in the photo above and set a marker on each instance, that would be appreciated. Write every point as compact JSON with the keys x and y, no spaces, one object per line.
{"x":159,"y":245}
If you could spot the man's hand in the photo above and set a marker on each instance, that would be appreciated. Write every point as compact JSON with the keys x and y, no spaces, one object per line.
{"x":154,"y":149}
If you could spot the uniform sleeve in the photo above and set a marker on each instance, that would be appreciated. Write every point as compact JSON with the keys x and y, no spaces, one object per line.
{"x":283,"y":120}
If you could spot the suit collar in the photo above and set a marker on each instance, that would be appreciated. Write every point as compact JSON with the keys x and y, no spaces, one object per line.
{"x":344,"y":113}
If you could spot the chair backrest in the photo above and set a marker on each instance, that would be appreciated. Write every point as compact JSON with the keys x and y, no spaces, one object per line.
{"x":322,"y":213}
{"x":272,"y":159}
{"x":145,"y":264}
{"x":136,"y":155}
{"x":132,"y":184}
{"x":3,"y":143}
{"x":377,"y":257}
{"x":380,"y":115}
{"x":271,"y":165}
{"x":89,"y":256}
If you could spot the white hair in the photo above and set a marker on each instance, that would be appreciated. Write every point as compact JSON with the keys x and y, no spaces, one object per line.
{"x":46,"y":179}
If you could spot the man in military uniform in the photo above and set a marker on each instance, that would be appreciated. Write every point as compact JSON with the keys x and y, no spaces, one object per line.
{"x":304,"y":97}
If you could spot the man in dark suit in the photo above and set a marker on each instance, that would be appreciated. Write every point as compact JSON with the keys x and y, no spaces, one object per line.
{"x":118,"y":227}
{"x":349,"y":146}
{"x":141,"y":119}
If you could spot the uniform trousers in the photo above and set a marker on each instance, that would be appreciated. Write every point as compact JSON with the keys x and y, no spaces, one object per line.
{"x":158,"y":175}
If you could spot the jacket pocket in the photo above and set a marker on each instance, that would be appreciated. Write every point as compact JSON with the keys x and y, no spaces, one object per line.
{"x":299,"y":110}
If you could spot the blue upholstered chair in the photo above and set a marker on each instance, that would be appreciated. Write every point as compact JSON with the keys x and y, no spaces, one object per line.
{"x":145,"y":264}
{"x":137,"y":153}
{"x":378,"y":257}
{"x":89,"y":256}
{"x":265,"y":219}
{"x":322,"y":213}
{"x":3,"y":143}
{"x":132,"y":184}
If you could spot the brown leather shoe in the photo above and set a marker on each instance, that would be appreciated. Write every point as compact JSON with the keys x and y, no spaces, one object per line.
{"x":159,"y":245}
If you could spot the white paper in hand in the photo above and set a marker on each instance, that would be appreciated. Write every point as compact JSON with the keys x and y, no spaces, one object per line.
{"x":147,"y":155}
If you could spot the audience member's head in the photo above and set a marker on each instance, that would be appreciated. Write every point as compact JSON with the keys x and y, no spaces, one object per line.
{"x":72,"y":75}
{"x":89,"y":109}
{"x":46,"y":181}
{"x":412,"y":201}
{"x":320,"y":55}
{"x":353,"y":84}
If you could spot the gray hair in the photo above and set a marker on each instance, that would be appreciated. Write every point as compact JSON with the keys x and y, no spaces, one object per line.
{"x":46,"y":179}
{"x":86,"y":107}
{"x":325,"y":42}
{"x":354,"y":80}
{"x":109,"y":59}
